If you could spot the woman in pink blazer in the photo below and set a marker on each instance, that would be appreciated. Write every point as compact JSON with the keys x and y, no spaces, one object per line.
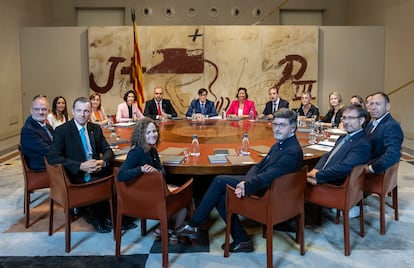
{"x":128,"y":110}
{"x":241,"y":107}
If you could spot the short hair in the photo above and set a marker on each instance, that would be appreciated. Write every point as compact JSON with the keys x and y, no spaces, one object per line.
{"x":40,"y":96}
{"x":138,"y":134}
{"x":384,"y":95}
{"x":307,"y":93}
{"x":93,"y":95}
{"x":274,"y":89}
{"x":82,"y":100}
{"x":362,"y":112}
{"x":288,"y":114}
{"x":245,"y":90}
{"x":202,"y":90}
{"x":127,"y":93}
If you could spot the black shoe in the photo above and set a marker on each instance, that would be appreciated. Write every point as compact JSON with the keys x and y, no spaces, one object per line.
{"x":241,"y":247}
{"x":101,"y":228}
{"x":286,"y":226}
{"x":128,"y":226}
{"x":187,"y":230}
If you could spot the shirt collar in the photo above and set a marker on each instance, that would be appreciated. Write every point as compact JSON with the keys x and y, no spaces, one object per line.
{"x":378,"y":120}
{"x":79,"y":126}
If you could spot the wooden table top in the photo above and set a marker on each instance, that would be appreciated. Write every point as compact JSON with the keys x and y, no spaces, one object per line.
{"x":214,"y":134}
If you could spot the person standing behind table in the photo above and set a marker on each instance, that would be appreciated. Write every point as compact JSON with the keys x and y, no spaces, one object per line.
{"x":307,"y":109}
{"x":36,"y":134}
{"x":83,"y":151}
{"x":385,"y":135}
{"x":128,"y":110}
{"x":242,"y":106}
{"x":143,"y":158}
{"x":98,"y":115}
{"x":59,"y":114}
{"x":273,"y":105}
{"x":158,"y":107}
{"x":202,"y":106}
{"x":284,"y":157}
{"x":333,"y":116}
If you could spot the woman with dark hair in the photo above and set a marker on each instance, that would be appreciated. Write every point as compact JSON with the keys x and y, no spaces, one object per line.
{"x":59,"y":113}
{"x":336,"y":107}
{"x":242,"y":106}
{"x":98,"y":115}
{"x":128,"y":110}
{"x":143,"y":158}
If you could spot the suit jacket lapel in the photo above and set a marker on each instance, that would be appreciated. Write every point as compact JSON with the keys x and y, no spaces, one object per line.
{"x":91,"y":139}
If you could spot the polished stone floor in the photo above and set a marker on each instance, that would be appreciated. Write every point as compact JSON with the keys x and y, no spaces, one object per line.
{"x":324,"y":244}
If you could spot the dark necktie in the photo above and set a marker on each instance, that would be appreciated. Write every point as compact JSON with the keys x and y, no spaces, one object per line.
{"x":85,"y":150}
{"x":48,"y":132}
{"x":203,"y":110}
{"x":336,"y":149}
{"x":274,"y":107}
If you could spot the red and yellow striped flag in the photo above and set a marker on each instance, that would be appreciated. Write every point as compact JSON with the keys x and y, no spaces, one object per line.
{"x":137,"y":81}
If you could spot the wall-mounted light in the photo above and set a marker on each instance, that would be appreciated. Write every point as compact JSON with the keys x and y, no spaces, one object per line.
{"x":191,"y":12}
{"x":235,"y":12}
{"x":257,"y":12}
{"x":146,"y":11}
{"x":169,"y":12}
{"x":213,"y":12}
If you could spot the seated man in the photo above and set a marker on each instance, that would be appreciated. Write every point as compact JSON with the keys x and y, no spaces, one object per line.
{"x":158,"y":107}
{"x":274,"y":104}
{"x":284,"y":157}
{"x":36,"y":134}
{"x":202,"y":106}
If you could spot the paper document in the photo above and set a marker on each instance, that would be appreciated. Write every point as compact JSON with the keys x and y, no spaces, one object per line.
{"x":261,"y":148}
{"x":240,"y":160}
{"x":173,"y":151}
{"x":320,"y":147}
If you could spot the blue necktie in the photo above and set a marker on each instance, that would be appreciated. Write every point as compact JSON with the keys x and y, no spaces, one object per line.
{"x":85,"y":149}
{"x":203,"y":110}
{"x":48,"y":132}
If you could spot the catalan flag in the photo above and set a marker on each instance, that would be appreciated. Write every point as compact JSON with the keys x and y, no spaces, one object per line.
{"x":137,"y":81}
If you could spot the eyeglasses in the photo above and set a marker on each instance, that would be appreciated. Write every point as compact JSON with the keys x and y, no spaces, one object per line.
{"x":344,"y":118}
{"x":275,"y":125}
{"x":40,"y":109}
{"x":204,"y":94}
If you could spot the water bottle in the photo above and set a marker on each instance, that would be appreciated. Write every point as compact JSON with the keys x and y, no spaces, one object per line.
{"x":223,"y":115}
{"x":195,"y":146}
{"x":245,"y":145}
{"x":313,"y":123}
{"x":194,"y":116}
{"x":113,"y":138}
{"x":110,"y":123}
{"x":251,"y":115}
{"x":298,"y":123}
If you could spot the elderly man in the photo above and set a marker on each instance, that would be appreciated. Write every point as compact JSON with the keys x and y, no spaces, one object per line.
{"x":36,"y":134}
{"x":284,"y":157}
{"x":158,"y":107}
{"x":274,"y":104}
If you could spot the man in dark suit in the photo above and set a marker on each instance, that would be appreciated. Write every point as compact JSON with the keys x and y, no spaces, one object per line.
{"x":349,"y":151}
{"x":36,"y":134}
{"x":384,"y":133}
{"x":82,"y":149}
{"x":202,"y":106}
{"x":158,"y":107}
{"x":274,"y":104}
{"x":284,"y":157}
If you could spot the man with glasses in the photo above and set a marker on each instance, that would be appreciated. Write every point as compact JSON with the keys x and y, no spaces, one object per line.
{"x":36,"y":134}
{"x":284,"y":157}
{"x":202,"y":106}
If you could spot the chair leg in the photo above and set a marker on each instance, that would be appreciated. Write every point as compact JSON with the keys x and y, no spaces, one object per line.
{"x":26,"y":207}
{"x":395,"y":202}
{"x":118,"y":224}
{"x":164,"y":241}
{"x":338,"y":215}
{"x":347,"y":245}
{"x":382,"y":214}
{"x":67,"y":229}
{"x":269,"y":244}
{"x":143,"y":227}
{"x":361,"y":219}
{"x":51,"y":212}
{"x":227,"y":239}
{"x":300,"y":232}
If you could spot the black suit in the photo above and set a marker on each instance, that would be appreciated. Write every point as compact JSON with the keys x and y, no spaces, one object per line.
{"x":269,"y":106}
{"x":151,"y":109}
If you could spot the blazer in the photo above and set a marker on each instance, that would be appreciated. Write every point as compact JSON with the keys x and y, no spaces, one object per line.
{"x":313,"y":110}
{"x":354,"y":152}
{"x":269,"y":105}
{"x":67,"y":149}
{"x":386,"y":140}
{"x":283,"y":158}
{"x":35,"y":143}
{"x":330,"y":114}
{"x":210,"y":110}
{"x":234,"y":108}
{"x":151,"y":109}
{"x":122,"y":114}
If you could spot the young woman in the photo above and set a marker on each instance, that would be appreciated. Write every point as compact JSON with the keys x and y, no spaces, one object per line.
{"x":59,"y":113}
{"x":98,"y":115}
{"x":333,"y":116}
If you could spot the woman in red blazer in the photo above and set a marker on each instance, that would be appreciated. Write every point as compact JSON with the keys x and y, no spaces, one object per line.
{"x":241,"y":107}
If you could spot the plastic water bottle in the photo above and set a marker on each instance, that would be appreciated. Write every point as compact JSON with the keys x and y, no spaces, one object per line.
{"x":245,"y":145}
{"x":110,"y":122}
{"x":113,"y":138}
{"x":298,"y":123}
{"x":194,"y":116}
{"x":313,"y":123}
{"x":223,"y":115}
{"x":195,"y":146}
{"x":251,"y":115}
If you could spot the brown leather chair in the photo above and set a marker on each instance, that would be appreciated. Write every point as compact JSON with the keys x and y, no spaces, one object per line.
{"x":71,"y":196}
{"x":148,"y":197}
{"x":342,"y":197}
{"x":33,"y":180}
{"x":282,"y":201}
{"x":382,"y":185}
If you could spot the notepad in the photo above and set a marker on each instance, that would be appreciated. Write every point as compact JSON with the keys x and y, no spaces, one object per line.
{"x":172,"y":151}
{"x":240,"y":160}
{"x":174,"y":159}
{"x":124,"y":124}
{"x":217,"y":159}
{"x":261,"y":148}
{"x":225,"y":151}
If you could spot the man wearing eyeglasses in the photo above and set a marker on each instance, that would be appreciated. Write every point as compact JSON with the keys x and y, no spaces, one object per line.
{"x":349,"y":151}
{"x":202,"y":106}
{"x":36,"y":134}
{"x":284,"y":157}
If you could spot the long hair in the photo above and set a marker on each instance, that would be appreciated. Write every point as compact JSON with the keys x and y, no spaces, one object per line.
{"x":138,"y":134}
{"x":340,"y":100}
{"x":54,"y":109}
{"x":93,"y":95}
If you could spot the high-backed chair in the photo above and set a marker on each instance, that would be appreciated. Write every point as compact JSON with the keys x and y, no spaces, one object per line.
{"x":33,"y":180}
{"x":282,"y":201}
{"x":383,"y":184}
{"x":148,"y":197}
{"x":342,"y":197}
{"x":71,"y":196}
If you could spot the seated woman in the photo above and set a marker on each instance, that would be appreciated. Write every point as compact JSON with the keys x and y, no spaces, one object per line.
{"x":98,"y":115}
{"x":242,"y":106}
{"x":307,"y":109}
{"x":59,"y":114}
{"x":128,"y":110}
{"x":143,"y":158}
{"x":333,"y":116}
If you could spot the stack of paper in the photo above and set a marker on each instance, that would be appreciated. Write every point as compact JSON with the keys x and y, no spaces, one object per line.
{"x":217,"y":159}
{"x":240,"y":160}
{"x":174,"y":159}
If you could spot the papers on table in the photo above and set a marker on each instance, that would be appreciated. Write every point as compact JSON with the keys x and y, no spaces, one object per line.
{"x":327,"y":143}
{"x":217,"y":159}
{"x":261,"y":148}
{"x":174,"y":159}
{"x":240,"y":160}
{"x":124,"y":124}
{"x":334,"y":137}
{"x":336,"y":131}
{"x":320,"y":147}
{"x":225,"y":151}
{"x":118,"y":152}
{"x":172,"y":151}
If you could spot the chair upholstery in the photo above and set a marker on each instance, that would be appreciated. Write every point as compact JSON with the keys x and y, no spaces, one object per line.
{"x":282,"y":201}
{"x":382,"y":184}
{"x":148,"y":197}
{"x":342,"y":197}
{"x":33,"y":180}
{"x":71,"y":196}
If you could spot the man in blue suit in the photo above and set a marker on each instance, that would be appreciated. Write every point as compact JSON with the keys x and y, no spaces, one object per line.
{"x":36,"y":134}
{"x":284,"y":157}
{"x":202,"y":106}
{"x":349,"y":151}
{"x":384,"y":133}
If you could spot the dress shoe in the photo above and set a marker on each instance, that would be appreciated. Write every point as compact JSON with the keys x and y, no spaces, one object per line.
{"x":101,"y":228}
{"x":126,"y":225}
{"x":241,"y":247}
{"x":187,"y":230}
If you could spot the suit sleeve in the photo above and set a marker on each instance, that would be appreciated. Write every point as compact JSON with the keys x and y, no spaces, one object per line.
{"x":171,"y":109}
{"x":190,"y":109}
{"x":213,"y":111}
{"x":147,"y":111}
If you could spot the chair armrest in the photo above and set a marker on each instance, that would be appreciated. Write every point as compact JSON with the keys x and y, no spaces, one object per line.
{"x":182,"y":187}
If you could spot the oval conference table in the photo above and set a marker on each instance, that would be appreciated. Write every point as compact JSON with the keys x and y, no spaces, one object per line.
{"x":214,"y":134}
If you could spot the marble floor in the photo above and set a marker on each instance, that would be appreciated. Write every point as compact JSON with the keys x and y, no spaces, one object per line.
{"x":324,"y":244}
